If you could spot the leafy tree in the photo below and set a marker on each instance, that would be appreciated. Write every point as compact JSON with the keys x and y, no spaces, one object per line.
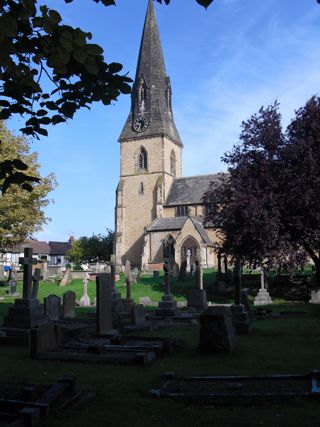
{"x":21,"y":212}
{"x":265,"y":208}
{"x":75,"y":254}
{"x":96,"y":248}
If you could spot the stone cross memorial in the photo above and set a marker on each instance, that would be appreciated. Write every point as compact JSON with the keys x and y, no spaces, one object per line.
{"x":85,"y":300}
{"x":263,"y":297}
{"x":27,"y":261}
{"x":26,"y":312}
{"x":167,"y":306}
{"x":35,"y":282}
{"x":197,"y":298}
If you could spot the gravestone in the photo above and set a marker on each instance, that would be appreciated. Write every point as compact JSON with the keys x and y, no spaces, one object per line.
{"x":69,"y":305}
{"x":167,"y":306}
{"x":12,"y":288}
{"x":135,"y":275}
{"x":183,"y":271}
{"x":241,"y":319}
{"x":175,"y":269}
{"x":145,"y":301}
{"x":35,"y":282}
{"x":2,"y":276}
{"x":26,"y":312}
{"x":66,"y":279}
{"x":85,"y":300}
{"x":128,"y":277}
{"x":217,"y":332}
{"x":52,"y":307}
{"x":45,"y":338}
{"x":263,"y":297}
{"x":104,"y":303}
{"x":117,"y":303}
{"x":244,"y":299}
{"x":197,"y":298}
{"x":315,"y":297}
{"x":139,"y":318}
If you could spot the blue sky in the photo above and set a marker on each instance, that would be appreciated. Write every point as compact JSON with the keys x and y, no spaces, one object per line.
{"x":224,"y":64}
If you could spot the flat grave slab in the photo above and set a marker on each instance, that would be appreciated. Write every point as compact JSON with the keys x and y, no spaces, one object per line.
{"x":28,"y":404}
{"x":112,"y":349}
{"x":240,"y":390}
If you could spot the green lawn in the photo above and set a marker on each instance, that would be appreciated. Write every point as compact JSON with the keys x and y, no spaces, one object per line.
{"x":122,"y":399}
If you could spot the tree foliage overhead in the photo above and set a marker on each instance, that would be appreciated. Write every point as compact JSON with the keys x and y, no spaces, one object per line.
{"x":36,"y":46}
{"x":266,"y":207}
{"x":21,"y":212}
{"x":96,"y":248}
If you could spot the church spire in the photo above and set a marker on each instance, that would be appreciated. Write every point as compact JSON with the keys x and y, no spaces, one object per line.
{"x":151,"y":110}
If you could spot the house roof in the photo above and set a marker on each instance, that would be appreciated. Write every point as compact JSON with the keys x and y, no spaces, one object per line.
{"x":39,"y":247}
{"x":177,"y":223}
{"x":59,"y":248}
{"x":190,"y":190}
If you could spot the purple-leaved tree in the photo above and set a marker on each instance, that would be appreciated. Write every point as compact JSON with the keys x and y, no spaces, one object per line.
{"x":265,"y":207}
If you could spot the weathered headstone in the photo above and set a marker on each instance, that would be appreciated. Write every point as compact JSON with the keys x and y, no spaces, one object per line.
{"x":104,"y":303}
{"x":245,"y":302}
{"x":241,"y":319}
{"x":175,"y":269}
{"x":135,"y":274}
{"x":117,"y":303}
{"x":183,"y":271}
{"x":128,"y":277}
{"x":52,"y":307}
{"x":69,"y":305}
{"x":45,"y":338}
{"x":145,"y":301}
{"x":66,"y":279}
{"x":35,"y":282}
{"x":12,"y":288}
{"x":85,"y":300}
{"x":217,"y":332}
{"x":315,"y":297}
{"x":138,"y":314}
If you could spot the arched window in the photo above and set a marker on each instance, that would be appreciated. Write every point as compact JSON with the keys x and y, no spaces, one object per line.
{"x":173,"y":163}
{"x":142,"y":159}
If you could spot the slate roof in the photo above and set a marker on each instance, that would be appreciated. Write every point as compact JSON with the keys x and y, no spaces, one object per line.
{"x":39,"y":247}
{"x":190,"y":190}
{"x":157,"y":89}
{"x":177,"y":223}
{"x":59,"y":248}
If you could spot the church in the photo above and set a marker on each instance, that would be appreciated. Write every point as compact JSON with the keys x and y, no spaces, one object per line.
{"x":158,"y":212}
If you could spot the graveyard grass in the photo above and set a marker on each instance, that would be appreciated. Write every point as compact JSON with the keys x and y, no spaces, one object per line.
{"x":276,"y":346}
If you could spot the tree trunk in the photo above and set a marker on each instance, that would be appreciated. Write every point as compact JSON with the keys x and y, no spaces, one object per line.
{"x":237,"y":281}
{"x":316,"y":261}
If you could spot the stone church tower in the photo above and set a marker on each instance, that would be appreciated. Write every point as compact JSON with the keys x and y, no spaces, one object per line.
{"x":150,"y":149}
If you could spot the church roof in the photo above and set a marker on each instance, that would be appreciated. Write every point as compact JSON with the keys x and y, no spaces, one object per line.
{"x":190,"y":190}
{"x":177,"y":223}
{"x":151,"y":92}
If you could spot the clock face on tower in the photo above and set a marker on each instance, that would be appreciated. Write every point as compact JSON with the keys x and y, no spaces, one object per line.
{"x":140,"y":124}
